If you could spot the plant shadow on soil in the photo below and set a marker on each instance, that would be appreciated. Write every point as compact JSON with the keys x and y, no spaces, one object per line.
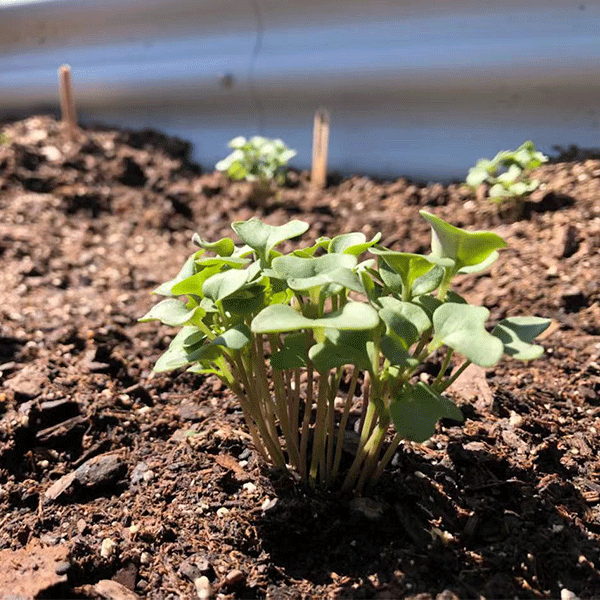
{"x":503,"y":522}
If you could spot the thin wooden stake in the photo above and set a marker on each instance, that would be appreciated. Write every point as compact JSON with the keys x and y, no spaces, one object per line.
{"x":318,"y":175}
{"x":67,"y":103}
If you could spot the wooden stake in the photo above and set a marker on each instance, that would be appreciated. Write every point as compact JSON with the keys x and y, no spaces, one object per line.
{"x":318,"y":175}
{"x":67,"y":103}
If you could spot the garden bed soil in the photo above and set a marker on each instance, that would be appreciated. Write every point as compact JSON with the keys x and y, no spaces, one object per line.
{"x":116,"y":482}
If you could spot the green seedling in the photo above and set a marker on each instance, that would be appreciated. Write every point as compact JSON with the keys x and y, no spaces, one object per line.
{"x":283,"y":330}
{"x":506,"y":173}
{"x":258,"y":159}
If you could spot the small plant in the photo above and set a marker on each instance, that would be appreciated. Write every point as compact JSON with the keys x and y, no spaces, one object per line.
{"x":283,"y":330}
{"x":257,"y":159}
{"x":3,"y":139}
{"x":506,"y":173}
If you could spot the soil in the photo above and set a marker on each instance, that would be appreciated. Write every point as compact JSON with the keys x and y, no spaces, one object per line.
{"x":116,"y":482}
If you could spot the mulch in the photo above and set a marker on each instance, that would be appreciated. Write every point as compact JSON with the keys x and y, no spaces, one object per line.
{"x":116,"y":482}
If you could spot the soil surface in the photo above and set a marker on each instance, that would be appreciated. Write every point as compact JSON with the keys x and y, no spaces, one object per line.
{"x":116,"y":482}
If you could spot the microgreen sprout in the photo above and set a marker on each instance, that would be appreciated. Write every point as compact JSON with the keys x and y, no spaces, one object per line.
{"x":288,"y":332}
{"x":506,"y":173}
{"x":257,"y":159}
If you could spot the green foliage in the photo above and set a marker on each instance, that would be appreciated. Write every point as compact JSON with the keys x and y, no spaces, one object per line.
{"x":506,"y":173}
{"x":257,"y":319}
{"x":257,"y":159}
{"x":3,"y":139}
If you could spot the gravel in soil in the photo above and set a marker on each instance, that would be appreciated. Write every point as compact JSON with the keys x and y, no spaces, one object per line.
{"x":116,"y":482}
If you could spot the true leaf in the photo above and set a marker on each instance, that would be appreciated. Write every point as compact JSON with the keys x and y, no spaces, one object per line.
{"x":464,"y":247}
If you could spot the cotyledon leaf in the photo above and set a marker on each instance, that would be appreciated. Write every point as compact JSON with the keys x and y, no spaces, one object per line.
{"x":279,"y":318}
{"x":263,"y":237}
{"x":224,"y":284}
{"x":417,"y":409}
{"x":517,"y":335}
{"x":172,"y":312}
{"x":462,"y":328}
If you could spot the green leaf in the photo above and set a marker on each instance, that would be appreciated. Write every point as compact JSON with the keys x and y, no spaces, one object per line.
{"x":245,"y":301}
{"x":188,"y":269}
{"x":482,"y":266}
{"x":223,"y":247}
{"x":341,"y":348}
{"x":462,"y":328}
{"x":224,"y":284}
{"x":352,"y":243}
{"x":193,"y":285}
{"x":405,"y":319}
{"x":178,"y":352}
{"x":428,"y":282}
{"x":293,"y":353}
{"x":233,"y":339}
{"x":464,"y":247}
{"x":409,"y":267}
{"x":172,"y":312}
{"x":417,"y":410}
{"x":279,"y":318}
{"x":517,"y":335}
{"x":235,"y":262}
{"x":262,"y":237}
{"x":404,"y":322}
{"x":307,"y":273}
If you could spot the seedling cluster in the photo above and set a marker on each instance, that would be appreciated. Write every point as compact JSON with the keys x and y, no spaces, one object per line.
{"x":283,"y":331}
{"x":257,"y":159}
{"x":506,"y":173}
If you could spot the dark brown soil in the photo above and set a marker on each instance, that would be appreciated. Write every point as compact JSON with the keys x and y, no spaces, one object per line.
{"x":151,"y":481}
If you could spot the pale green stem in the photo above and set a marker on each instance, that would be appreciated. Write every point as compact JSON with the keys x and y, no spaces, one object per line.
{"x":343,"y":424}
{"x":445,"y":385}
{"x":389,"y":454}
{"x":318,"y":453}
{"x":334,"y":387}
{"x":306,"y":421}
{"x":443,"y":368}
{"x":372,"y":451}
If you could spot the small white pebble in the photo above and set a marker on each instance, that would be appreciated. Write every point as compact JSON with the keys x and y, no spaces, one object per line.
{"x":145,"y":558}
{"x":144,"y":410}
{"x":566,"y":594}
{"x":515,"y":420}
{"x":222,"y":512}
{"x":133,"y":529}
{"x":203,"y":588}
{"x":243,"y":463}
{"x":108,"y":548}
{"x":557,"y":528}
{"x":249,"y":487}
{"x":44,"y":464}
{"x":265,"y":503}
{"x":148,"y":475}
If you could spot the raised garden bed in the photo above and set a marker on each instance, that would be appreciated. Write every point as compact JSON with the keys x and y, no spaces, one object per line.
{"x":162,"y":466}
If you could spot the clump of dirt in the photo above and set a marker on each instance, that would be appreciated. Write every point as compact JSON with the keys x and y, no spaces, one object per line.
{"x":148,"y":483}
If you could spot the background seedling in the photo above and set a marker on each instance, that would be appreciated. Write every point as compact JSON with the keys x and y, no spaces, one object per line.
{"x":506,"y":173}
{"x":257,"y":159}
